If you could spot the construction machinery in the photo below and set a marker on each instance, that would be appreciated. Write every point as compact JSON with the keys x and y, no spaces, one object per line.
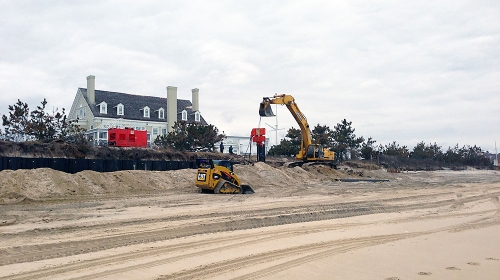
{"x":309,"y":152}
{"x":218,"y":176}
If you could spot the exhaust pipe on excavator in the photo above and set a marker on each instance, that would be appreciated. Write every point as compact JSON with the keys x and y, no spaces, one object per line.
{"x":265,"y":109}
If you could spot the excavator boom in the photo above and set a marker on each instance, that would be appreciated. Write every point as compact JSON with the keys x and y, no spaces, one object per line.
{"x":308,"y":150}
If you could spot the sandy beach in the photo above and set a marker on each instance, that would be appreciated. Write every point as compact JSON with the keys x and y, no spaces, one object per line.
{"x":301,"y":223}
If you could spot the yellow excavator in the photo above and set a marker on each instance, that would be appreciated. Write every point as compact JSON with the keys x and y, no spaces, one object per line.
{"x":309,"y":152}
{"x":217,"y":176}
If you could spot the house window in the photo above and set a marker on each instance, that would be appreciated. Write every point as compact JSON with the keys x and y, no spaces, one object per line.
{"x":196,"y":116}
{"x":103,"y":108}
{"x":119,"y":110}
{"x":81,"y":113}
{"x":146,"y":112}
{"x":155,"y":132}
{"x":163,"y":131}
{"x":184,"y":115}
{"x":161,"y":113}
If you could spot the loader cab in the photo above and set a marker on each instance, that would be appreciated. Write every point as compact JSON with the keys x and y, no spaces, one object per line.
{"x":210,"y":164}
{"x":204,"y":163}
{"x":225,"y":163}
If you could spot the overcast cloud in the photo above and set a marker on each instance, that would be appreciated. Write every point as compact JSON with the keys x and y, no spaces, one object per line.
{"x":404,"y":71}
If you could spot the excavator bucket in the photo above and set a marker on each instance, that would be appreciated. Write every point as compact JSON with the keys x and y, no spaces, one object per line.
{"x":265,"y":110}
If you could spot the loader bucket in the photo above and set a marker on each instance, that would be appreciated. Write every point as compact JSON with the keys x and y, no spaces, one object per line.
{"x":247,"y":189}
{"x":265,"y":110}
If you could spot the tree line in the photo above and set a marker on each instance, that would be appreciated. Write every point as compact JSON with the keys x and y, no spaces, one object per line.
{"x":190,"y":137}
{"x":22,"y":125}
{"x":346,"y":145}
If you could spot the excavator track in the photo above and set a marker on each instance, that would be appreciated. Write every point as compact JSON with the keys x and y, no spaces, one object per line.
{"x":225,"y":187}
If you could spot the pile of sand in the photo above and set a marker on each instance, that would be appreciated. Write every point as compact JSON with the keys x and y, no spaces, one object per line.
{"x":47,"y":184}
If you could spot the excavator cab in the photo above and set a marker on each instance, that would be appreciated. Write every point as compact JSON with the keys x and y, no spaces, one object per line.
{"x":265,"y":109}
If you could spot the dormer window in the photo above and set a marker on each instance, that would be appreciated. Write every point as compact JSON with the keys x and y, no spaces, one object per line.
{"x":161,"y":113}
{"x":146,"y":112}
{"x":120,"y":110}
{"x":196,"y":116}
{"x":184,"y":115}
{"x":103,"y":108}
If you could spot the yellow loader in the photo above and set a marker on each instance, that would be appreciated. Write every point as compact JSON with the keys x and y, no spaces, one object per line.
{"x":217,"y":176}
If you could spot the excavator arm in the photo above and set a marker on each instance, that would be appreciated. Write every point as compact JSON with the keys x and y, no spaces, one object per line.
{"x":282,"y":99}
{"x":308,"y":150}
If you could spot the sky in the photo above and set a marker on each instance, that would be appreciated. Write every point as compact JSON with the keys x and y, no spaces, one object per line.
{"x":404,"y":71}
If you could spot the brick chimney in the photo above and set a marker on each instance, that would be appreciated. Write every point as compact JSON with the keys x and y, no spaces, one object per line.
{"x":195,"y":99}
{"x":91,"y":89}
{"x":171,"y":107}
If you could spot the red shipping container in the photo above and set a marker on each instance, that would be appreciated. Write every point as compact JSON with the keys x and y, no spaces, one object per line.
{"x":127,"y":137}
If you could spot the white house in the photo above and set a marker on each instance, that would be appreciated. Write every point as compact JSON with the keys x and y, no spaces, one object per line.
{"x":242,"y":145}
{"x":98,"y":110}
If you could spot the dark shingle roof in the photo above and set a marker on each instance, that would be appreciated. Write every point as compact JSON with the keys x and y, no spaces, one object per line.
{"x":133,"y":105}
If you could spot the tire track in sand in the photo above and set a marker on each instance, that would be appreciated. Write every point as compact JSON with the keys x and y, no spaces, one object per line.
{"x":271,"y":217}
{"x":230,"y":242}
{"x":309,"y":253}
